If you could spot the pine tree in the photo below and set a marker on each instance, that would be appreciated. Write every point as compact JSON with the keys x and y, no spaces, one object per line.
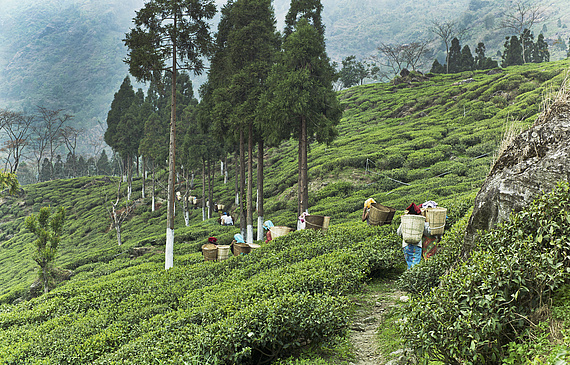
{"x":103,"y":164}
{"x":437,"y":68}
{"x":454,"y":56}
{"x":82,"y":166}
{"x":46,"y":171}
{"x":541,"y":53}
{"x":305,"y":9}
{"x":301,"y":98}
{"x":512,"y":55}
{"x":47,"y":228}
{"x":178,"y":31}
{"x":527,"y":43}
{"x":58,"y":172}
{"x":467,"y":61}
{"x":122,"y":101}
{"x":70,"y":166}
{"x":480,"y":56}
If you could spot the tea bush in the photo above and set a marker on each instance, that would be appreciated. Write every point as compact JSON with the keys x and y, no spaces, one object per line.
{"x":228,"y":312}
{"x":482,"y":305}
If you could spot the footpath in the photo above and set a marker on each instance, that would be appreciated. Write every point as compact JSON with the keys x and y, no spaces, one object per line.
{"x":373,"y":306}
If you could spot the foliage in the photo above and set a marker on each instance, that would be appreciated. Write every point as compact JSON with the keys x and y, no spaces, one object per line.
{"x":9,"y":181}
{"x":499,"y":291}
{"x":228,"y":312}
{"x":47,"y":228}
{"x":382,"y":125}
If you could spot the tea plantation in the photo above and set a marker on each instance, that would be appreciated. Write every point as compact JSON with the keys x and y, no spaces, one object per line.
{"x":416,"y":139}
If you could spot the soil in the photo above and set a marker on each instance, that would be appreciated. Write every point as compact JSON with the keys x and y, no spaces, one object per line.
{"x":368,"y":318}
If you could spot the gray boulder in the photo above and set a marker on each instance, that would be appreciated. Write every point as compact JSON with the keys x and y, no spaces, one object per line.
{"x":533,"y":163}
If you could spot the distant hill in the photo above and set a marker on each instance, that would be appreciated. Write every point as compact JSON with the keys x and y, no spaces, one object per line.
{"x":68,"y":53}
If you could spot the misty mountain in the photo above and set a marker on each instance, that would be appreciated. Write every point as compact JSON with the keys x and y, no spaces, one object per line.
{"x":67,"y":54}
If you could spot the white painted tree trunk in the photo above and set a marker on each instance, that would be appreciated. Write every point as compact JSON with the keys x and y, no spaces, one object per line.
{"x":169,"y":252}
{"x":203,"y":214}
{"x":260,"y":228}
{"x":152,"y":201}
{"x":249,"y":238}
{"x":118,"y":229}
{"x":186,"y":218}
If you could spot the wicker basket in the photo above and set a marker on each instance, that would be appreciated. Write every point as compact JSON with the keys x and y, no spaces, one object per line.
{"x":210,"y":252}
{"x":436,"y":219}
{"x":241,"y":248}
{"x":412,"y":228}
{"x":223,"y":252}
{"x":317,"y":222}
{"x":278,"y":231}
{"x":380,"y":214}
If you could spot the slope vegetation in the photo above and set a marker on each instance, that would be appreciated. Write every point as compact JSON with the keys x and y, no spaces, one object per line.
{"x":419,"y":138}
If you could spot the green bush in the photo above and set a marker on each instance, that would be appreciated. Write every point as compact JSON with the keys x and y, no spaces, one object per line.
{"x":247,"y":309}
{"x":480,"y":306}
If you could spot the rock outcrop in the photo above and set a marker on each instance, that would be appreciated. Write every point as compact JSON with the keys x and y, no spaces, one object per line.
{"x":533,"y":163}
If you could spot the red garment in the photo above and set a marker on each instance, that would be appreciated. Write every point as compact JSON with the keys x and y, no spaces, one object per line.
{"x":268,"y":235}
{"x":414,"y":209}
{"x":429,"y":246}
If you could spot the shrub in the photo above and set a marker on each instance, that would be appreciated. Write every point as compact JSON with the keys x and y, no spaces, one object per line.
{"x":480,"y":306}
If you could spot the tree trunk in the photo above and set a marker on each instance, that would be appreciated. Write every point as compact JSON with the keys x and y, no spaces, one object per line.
{"x":225,"y":168}
{"x":446,"y":57}
{"x":185,"y":203}
{"x":143,"y":177}
{"x":153,"y":185}
{"x":241,"y":182}
{"x":260,"y":190}
{"x":236,"y":187}
{"x":45,"y":277}
{"x":169,"y":250}
{"x":203,"y":190}
{"x":118,"y":229}
{"x":130,"y":177}
{"x":210,"y":193}
{"x":125,"y":163}
{"x":249,"y":236}
{"x":303,"y":177}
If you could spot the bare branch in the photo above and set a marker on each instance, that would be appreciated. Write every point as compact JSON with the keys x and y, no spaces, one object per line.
{"x":523,"y":15}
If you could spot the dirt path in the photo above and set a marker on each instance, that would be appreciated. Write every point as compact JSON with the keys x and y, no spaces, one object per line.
{"x":372,"y":306}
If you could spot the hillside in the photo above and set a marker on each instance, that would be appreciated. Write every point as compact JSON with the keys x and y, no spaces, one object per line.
{"x":68,"y":53}
{"x":419,"y":138}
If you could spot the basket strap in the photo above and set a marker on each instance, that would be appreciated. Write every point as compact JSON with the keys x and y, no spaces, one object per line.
{"x":437,"y":227}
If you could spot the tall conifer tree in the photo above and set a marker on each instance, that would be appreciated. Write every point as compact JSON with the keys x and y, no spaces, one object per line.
{"x":300,"y":95}
{"x":175,"y":31}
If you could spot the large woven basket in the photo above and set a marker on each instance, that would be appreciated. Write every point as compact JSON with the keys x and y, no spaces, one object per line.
{"x":210,"y":252}
{"x":380,"y":214}
{"x":223,"y":252}
{"x":241,"y":248}
{"x":317,"y":222}
{"x":277,"y":231}
{"x":412,"y":228}
{"x":436,"y":219}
